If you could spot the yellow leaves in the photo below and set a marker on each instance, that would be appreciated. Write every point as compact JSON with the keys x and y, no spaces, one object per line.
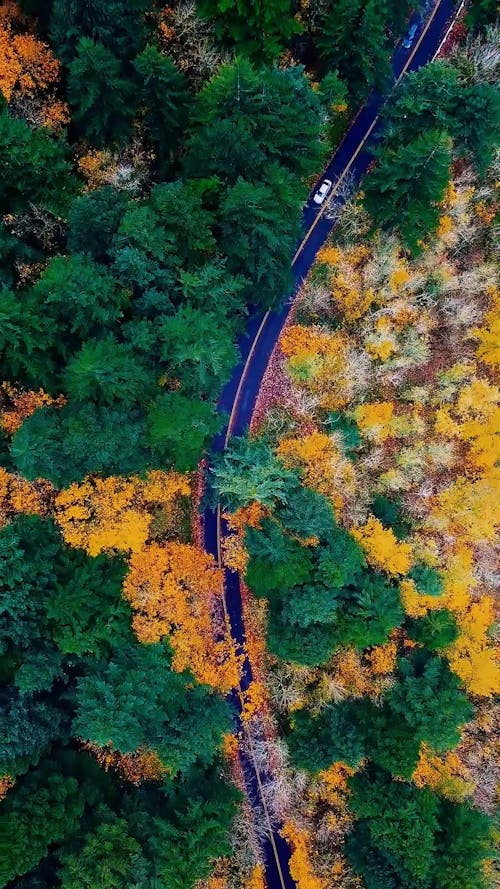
{"x":115,"y":513}
{"x":257,"y":880}
{"x":471,"y":656}
{"x":142,"y":765}
{"x":382,"y":658}
{"x":300,"y":866}
{"x":445,"y":226}
{"x":229,"y":745}
{"x":417,"y":604}
{"x":488,"y":335}
{"x":447,"y":775}
{"x":373,"y":419}
{"x":468,"y":510}
{"x":330,"y":255}
{"x":324,"y":468}
{"x":253,"y":700}
{"x":319,"y":360}
{"x":399,"y":277}
{"x":381,"y":348}
{"x":458,"y":579}
{"x":173,"y":589}
{"x":382,"y":549}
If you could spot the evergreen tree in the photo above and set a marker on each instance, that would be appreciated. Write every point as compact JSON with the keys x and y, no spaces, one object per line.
{"x":180,"y":428}
{"x":171,"y":714}
{"x":404,"y":190}
{"x":259,"y":29}
{"x":435,"y":630}
{"x":94,"y":219}
{"x":165,"y":102}
{"x":105,"y":371}
{"x":336,"y":733}
{"x":101,"y":97}
{"x":120,"y":25}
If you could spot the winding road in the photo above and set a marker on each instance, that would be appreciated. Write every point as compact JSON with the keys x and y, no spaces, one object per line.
{"x":348,"y":165}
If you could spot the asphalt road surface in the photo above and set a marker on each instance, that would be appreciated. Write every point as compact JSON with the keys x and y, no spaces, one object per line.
{"x":346,"y":168}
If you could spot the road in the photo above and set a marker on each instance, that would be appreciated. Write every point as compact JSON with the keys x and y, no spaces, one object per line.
{"x":349,"y":163}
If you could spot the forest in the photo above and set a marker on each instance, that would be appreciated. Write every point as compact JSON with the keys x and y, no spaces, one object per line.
{"x":154,"y":163}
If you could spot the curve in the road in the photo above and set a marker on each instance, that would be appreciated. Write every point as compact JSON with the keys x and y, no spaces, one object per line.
{"x":351,"y":159}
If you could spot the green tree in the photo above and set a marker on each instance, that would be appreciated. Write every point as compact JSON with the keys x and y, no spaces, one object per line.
{"x":197,"y":350}
{"x":464,"y":841}
{"x":29,"y":726}
{"x":435,"y":630}
{"x":247,"y":471}
{"x":105,"y":371}
{"x":120,"y":25}
{"x":180,"y":428}
{"x":66,"y":444}
{"x":308,"y":514}
{"x":25,"y":156}
{"x":165,"y":103}
{"x":336,"y":733}
{"x":171,"y":714}
{"x":369,"y":612}
{"x":102,"y":98}
{"x":404,"y":190}
{"x":259,"y":228}
{"x":429,"y":697}
{"x":259,"y":29}
{"x":277,"y":561}
{"x":94,"y":219}
{"x":312,"y":646}
{"x":105,"y":860}
{"x":274,"y":108}
{"x":401,"y":822}
{"x":44,"y":808}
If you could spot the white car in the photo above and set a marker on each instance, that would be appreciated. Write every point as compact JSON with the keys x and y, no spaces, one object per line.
{"x":322,"y":191}
{"x":410,"y":37}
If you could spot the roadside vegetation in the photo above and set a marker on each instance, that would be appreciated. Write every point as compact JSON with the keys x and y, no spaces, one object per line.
{"x":364,"y":509}
{"x":154,"y":161}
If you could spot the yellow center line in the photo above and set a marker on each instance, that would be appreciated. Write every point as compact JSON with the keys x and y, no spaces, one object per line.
{"x":368,"y":133}
{"x":238,"y":393}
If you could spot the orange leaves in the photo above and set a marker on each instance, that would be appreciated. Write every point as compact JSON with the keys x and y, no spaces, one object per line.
{"x":383,"y":551}
{"x":29,"y":70}
{"x":21,"y":404}
{"x":143,"y":765}
{"x":100,"y":515}
{"x":323,"y":465}
{"x":382,"y":658}
{"x":319,"y":360}
{"x":256,"y":880}
{"x":17,"y":495}
{"x":254,"y":700}
{"x":6,"y":782}
{"x":300,"y":866}
{"x":173,"y":589}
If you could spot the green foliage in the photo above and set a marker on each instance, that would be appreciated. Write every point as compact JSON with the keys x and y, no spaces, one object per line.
{"x":277,"y":561}
{"x":120,"y":25}
{"x":336,"y":733}
{"x":409,"y":838}
{"x":307,"y":514}
{"x":395,"y":814}
{"x":170,"y":714}
{"x":310,"y":646}
{"x":437,"y":97}
{"x":369,"y":612}
{"x":180,"y":428}
{"x":248,"y":471}
{"x":481,"y":13}
{"x":389,"y":513}
{"x":429,"y":697}
{"x":102,"y":99}
{"x":350,"y":438}
{"x":106,"y":858}
{"x":197,"y":350}
{"x":105,"y":371}
{"x":427,"y":580}
{"x":165,"y":99}
{"x":66,"y":444}
{"x":273,"y":112}
{"x":435,"y":630}
{"x":25,"y":156}
{"x":404,"y":190}
{"x":45,"y":808}
{"x":94,"y":219}
{"x":259,"y":227}
{"x":259,"y":29}
{"x":353,"y":38}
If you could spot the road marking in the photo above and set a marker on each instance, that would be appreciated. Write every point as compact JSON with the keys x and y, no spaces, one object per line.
{"x":244,"y":375}
{"x":368,"y":133}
